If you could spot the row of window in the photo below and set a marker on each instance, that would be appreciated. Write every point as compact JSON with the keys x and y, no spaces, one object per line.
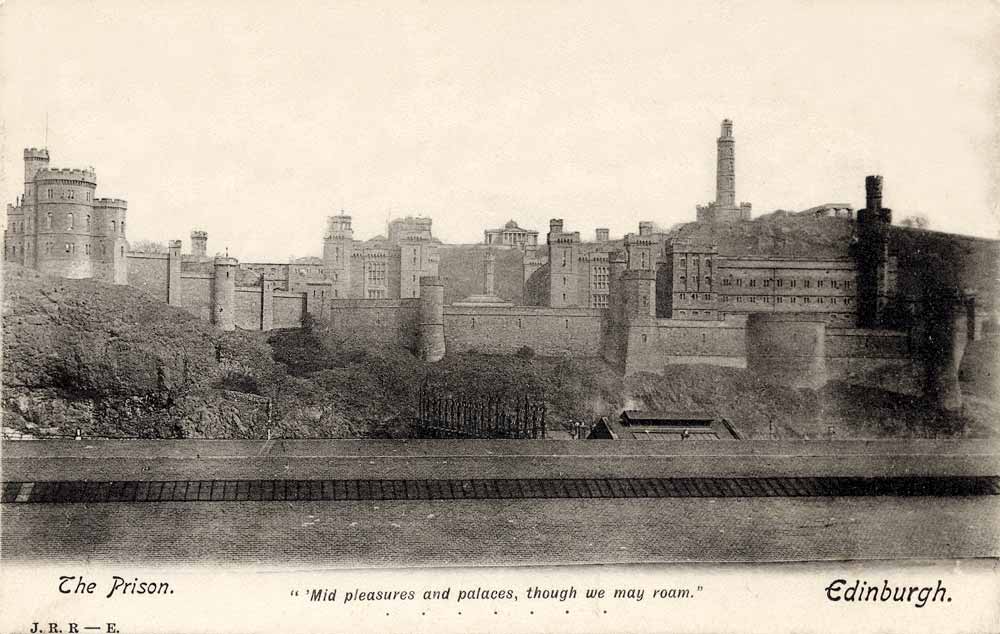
{"x":66,"y":194}
{"x":49,"y":248}
{"x":778,"y":283}
{"x":375,"y":272}
{"x":17,"y":226}
{"x":769,"y":299}
{"x":472,"y":323}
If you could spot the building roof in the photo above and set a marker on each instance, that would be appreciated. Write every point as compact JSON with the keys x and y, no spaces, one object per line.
{"x":640,"y":425}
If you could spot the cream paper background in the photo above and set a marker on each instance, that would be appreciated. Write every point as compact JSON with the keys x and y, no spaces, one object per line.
{"x":171,"y":103}
{"x":735,"y":598}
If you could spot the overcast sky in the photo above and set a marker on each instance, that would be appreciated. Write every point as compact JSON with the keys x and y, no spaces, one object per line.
{"x":256,"y":120}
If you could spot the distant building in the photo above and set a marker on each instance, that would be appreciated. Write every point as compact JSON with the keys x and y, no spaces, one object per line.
{"x":382,"y":267}
{"x":830,"y":210}
{"x":511,"y":235}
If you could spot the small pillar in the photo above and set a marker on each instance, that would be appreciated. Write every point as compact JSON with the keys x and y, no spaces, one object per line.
{"x":174,"y":272}
{"x":267,"y":304}
{"x":430,"y":333}
{"x":489,"y":273}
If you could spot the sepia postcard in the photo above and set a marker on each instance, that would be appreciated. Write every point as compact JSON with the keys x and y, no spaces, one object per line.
{"x":529,"y":316}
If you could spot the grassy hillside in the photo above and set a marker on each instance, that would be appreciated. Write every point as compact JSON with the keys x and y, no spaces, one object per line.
{"x":776,"y":234}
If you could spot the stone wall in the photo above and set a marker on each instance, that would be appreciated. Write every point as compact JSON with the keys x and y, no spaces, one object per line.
{"x":787,"y":351}
{"x":196,"y":294}
{"x":505,"y":330}
{"x":248,"y":307}
{"x":148,"y":273}
{"x":655,"y":343}
{"x":383,"y":321}
{"x":289,"y":309}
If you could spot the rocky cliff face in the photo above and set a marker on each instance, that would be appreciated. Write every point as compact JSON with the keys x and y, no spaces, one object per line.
{"x":108,"y":360}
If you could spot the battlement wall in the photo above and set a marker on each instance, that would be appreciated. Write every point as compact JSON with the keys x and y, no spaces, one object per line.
{"x":50,"y":174}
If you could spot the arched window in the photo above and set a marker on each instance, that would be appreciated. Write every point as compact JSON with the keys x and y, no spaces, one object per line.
{"x":114,"y":226}
{"x":48,"y":219}
{"x":88,"y":221}
{"x":69,"y":221}
{"x":123,"y":227}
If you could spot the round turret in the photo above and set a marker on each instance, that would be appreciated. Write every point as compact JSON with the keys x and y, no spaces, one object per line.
{"x":199,"y":243}
{"x":224,"y":293}
{"x":430,"y":334}
{"x":65,"y":221}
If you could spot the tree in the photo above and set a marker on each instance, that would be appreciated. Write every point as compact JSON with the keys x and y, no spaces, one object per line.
{"x":148,"y":246}
{"x":917,"y":221}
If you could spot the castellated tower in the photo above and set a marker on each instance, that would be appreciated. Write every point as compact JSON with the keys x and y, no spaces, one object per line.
{"x":564,"y":255}
{"x":338,"y":249}
{"x":724,"y":207}
{"x":59,"y":228}
{"x":199,"y":243}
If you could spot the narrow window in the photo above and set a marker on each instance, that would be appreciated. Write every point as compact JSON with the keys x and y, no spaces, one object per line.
{"x":49,"y":192}
{"x":69,"y":221}
{"x":114,"y":226}
{"x":48,"y":219}
{"x":567,"y":324}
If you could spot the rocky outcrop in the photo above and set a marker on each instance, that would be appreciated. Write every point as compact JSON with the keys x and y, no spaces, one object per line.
{"x":108,"y":360}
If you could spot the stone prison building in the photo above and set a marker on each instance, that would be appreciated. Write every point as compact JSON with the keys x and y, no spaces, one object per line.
{"x":710,"y":291}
